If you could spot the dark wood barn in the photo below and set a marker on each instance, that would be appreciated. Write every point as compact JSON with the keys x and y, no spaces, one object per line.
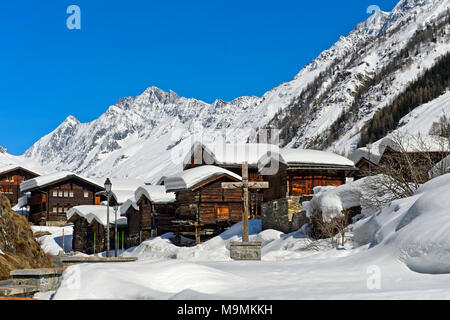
{"x":204,"y":209}
{"x":53,"y":195}
{"x":89,"y":228}
{"x":409,"y":157}
{"x":10,"y":179}
{"x":151,"y":215}
{"x":230,"y":156}
{"x":295,"y":174}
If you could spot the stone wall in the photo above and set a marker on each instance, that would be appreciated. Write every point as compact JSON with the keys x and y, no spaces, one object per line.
{"x":284,"y":214}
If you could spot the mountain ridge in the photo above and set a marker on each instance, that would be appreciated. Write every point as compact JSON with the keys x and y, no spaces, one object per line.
{"x":134,"y":137}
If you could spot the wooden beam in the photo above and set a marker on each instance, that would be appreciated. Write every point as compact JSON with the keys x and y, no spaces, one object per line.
{"x":239,"y":185}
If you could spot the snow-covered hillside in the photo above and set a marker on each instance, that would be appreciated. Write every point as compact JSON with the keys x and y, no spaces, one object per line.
{"x":147,"y":136}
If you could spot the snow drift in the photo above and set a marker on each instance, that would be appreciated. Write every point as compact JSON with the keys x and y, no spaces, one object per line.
{"x":414,"y":229}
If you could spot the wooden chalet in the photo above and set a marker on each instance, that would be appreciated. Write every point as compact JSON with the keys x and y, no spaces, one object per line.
{"x":292,"y":175}
{"x":204,"y":209}
{"x":89,"y":228}
{"x":230,"y":156}
{"x":150,"y":215}
{"x":10,"y":179}
{"x":421,"y":153}
{"x":51,"y":196}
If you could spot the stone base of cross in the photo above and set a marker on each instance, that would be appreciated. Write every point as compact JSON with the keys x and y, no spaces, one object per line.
{"x":245,"y":250}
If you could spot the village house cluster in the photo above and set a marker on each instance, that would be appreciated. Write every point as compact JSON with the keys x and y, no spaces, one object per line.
{"x":192,"y":203}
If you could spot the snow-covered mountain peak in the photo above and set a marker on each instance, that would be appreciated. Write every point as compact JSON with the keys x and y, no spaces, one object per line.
{"x":140,"y":136}
{"x":375,"y":23}
{"x":70,"y":121}
{"x":3,"y":150}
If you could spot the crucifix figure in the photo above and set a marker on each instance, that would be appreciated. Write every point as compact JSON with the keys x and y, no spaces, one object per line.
{"x":245,"y":186}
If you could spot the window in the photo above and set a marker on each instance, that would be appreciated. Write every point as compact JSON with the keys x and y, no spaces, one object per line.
{"x":12,"y":179}
{"x":66,"y":194}
{"x":55,"y":194}
{"x":222,"y":212}
{"x":71,"y":194}
{"x":60,"y":209}
{"x":60,"y":193}
{"x":55,"y":209}
{"x":86,"y":194}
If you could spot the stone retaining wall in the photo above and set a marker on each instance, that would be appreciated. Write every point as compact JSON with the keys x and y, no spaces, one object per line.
{"x":285,"y":215}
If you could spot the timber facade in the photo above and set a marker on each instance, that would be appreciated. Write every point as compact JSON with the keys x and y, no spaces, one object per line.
{"x":151,"y":220}
{"x":10,"y":181}
{"x":206,"y":210}
{"x":91,"y":238}
{"x":50,"y":203}
{"x":289,"y":187}
{"x":201,"y":157}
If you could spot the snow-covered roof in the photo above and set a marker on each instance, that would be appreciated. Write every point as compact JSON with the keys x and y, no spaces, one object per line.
{"x":97,"y":213}
{"x":45,"y":180}
{"x":23,"y":201}
{"x":230,"y":153}
{"x":413,"y":143}
{"x":160,"y":182}
{"x":192,"y":177}
{"x":122,"y":189}
{"x":371,"y":155}
{"x":404,"y":143}
{"x":440,"y":168}
{"x":305,"y":157}
{"x":127,"y":204}
{"x":12,"y":167}
{"x":156,"y":194}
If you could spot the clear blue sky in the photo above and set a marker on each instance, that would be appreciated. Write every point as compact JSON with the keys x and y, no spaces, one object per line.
{"x":204,"y":49}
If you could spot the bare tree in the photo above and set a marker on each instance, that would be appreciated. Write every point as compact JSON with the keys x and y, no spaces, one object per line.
{"x":333,"y":229}
{"x":404,"y":166}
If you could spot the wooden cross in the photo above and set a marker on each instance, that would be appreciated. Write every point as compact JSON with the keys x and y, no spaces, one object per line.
{"x":245,"y":186}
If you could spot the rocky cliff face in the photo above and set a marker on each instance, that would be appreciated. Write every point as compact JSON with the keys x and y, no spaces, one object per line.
{"x":18,"y":248}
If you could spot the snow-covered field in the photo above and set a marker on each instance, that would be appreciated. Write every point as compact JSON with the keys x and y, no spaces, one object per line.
{"x":401,"y":252}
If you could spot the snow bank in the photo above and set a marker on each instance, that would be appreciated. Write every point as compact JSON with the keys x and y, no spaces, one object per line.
{"x":414,"y":229}
{"x":331,"y":201}
{"x":216,"y":249}
{"x":52,"y":244}
{"x":147,"y":280}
